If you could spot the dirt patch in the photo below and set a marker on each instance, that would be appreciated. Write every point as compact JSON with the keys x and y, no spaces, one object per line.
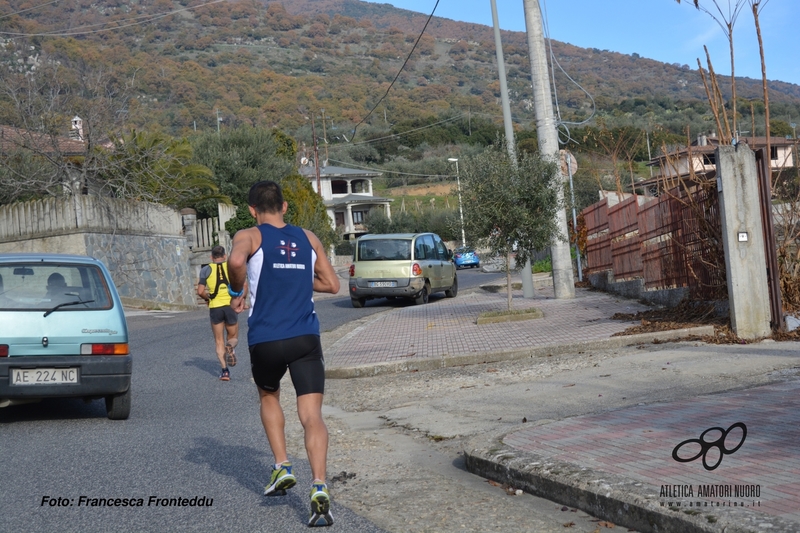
{"x":433,"y":189}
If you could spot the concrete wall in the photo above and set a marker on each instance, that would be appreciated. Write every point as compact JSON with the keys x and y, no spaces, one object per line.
{"x":634,"y":289}
{"x":142,"y":244}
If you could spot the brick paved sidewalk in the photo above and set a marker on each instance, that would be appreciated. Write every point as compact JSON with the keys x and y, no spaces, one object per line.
{"x":637,"y":443}
{"x":447,"y":327}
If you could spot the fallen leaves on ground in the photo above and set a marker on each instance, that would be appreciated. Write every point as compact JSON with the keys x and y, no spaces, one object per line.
{"x":689,"y":315}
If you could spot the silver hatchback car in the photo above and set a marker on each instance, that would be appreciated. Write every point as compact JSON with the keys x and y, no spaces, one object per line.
{"x":63,"y":332}
{"x":407,"y":265}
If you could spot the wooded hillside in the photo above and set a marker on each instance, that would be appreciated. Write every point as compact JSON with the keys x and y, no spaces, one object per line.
{"x":181,"y":66}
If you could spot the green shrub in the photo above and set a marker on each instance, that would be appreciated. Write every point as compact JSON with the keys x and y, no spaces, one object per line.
{"x":543,"y":265}
{"x":344,"y":248}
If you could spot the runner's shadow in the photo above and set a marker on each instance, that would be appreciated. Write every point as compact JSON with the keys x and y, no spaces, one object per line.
{"x":205,"y":364}
{"x":248,"y":466}
{"x":242,"y":463}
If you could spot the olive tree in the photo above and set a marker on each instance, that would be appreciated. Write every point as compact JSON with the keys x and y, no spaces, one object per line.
{"x":510,"y":206}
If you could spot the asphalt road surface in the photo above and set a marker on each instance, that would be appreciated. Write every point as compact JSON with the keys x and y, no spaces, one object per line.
{"x":189,"y":435}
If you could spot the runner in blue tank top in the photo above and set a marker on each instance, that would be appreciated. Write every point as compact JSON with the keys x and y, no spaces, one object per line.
{"x":284,"y":265}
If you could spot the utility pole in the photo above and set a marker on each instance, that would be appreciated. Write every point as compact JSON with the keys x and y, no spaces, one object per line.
{"x":460,"y":208}
{"x":316,"y":155}
{"x":526,"y":273}
{"x":325,"y":137}
{"x":563,"y":280}
{"x":218,"y":121}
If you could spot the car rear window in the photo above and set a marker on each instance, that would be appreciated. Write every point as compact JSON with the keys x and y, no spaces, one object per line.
{"x":42,"y":286}
{"x":384,"y":250}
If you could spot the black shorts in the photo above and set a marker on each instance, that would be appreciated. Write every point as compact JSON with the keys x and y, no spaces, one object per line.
{"x":223,"y":314}
{"x":301,"y":355}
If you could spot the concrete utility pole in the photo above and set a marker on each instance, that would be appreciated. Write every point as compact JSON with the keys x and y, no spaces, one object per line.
{"x":526,"y":273}
{"x":563,"y":281}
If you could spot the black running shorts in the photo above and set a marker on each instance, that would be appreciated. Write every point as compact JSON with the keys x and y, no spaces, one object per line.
{"x":301,"y":355}
{"x":223,"y":314}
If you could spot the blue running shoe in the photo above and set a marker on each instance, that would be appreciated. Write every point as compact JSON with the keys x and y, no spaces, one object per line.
{"x":280,"y":480}
{"x":320,"y":506}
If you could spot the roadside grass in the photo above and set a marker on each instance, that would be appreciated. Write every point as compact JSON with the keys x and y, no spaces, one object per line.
{"x":514,"y":315}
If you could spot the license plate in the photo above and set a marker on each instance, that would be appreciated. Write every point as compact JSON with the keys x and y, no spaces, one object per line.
{"x":43,"y":376}
{"x":383,"y":284}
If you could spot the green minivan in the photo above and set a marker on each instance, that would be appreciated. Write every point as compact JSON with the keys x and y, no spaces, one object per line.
{"x":405,"y":265}
{"x":63,"y":332}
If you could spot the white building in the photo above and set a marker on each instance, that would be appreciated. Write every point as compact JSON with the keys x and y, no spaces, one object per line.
{"x":348,"y":197}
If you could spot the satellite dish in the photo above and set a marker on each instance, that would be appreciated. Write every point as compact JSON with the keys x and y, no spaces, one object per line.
{"x":304,"y":161}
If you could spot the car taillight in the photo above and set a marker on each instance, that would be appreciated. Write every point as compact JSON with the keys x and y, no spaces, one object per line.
{"x":3,"y":350}
{"x":352,"y":271}
{"x":104,"y":349}
{"x":416,"y":269}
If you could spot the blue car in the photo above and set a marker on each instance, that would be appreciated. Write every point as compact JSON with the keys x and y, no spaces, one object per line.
{"x":465,"y":257}
{"x":63,"y":332}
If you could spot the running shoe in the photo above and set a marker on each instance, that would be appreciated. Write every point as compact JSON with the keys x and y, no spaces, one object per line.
{"x":320,"y":506}
{"x":230,"y":355}
{"x":280,"y":480}
{"x":225,"y":375}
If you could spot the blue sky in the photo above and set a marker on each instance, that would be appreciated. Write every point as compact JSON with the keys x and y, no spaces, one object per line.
{"x":658,"y":29}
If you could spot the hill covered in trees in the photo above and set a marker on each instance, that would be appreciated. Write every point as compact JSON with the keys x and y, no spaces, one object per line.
{"x":182,"y":66}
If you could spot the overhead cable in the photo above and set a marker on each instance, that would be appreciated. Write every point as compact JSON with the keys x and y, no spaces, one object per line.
{"x":119,"y":24}
{"x":399,"y":71}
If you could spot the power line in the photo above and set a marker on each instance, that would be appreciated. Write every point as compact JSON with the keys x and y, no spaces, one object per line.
{"x":396,"y":135}
{"x":399,"y":71}
{"x":360,"y":167}
{"x":150,"y":18}
{"x":26,"y":10}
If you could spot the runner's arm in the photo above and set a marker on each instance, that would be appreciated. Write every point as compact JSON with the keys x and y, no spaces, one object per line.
{"x":325,"y":278}
{"x":202,"y":288}
{"x":237,"y":265}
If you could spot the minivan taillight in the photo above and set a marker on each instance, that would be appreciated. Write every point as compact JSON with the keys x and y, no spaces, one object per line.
{"x":416,"y":269}
{"x":104,"y":349}
{"x":352,"y":271}
{"x":3,"y":350}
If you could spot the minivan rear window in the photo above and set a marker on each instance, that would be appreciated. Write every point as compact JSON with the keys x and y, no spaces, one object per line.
{"x":42,"y":286}
{"x":384,"y":250}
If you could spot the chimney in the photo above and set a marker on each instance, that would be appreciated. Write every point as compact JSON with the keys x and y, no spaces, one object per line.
{"x":77,"y":128}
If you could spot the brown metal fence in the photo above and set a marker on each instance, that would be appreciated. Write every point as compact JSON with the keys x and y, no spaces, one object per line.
{"x":598,"y":243}
{"x":623,"y":230}
{"x":670,"y":241}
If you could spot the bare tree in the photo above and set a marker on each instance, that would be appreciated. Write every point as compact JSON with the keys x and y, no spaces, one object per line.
{"x":726,"y":18}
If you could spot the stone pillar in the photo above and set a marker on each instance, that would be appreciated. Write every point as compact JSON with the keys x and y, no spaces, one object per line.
{"x":189,"y":218}
{"x":348,"y":223}
{"x":743,"y":241}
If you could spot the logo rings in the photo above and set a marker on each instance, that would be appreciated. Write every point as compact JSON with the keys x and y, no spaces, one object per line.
{"x":705,"y":446}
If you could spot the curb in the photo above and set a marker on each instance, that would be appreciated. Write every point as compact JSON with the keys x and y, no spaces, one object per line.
{"x":607,"y":496}
{"x":446,"y":361}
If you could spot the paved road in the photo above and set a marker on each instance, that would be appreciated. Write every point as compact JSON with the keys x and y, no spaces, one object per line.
{"x":189,"y":435}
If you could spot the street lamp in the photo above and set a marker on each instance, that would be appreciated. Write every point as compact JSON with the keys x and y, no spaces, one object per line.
{"x":460,"y":208}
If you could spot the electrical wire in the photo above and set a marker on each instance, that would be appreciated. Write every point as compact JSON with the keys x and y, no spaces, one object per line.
{"x":396,"y":135}
{"x":554,"y":61}
{"x":399,"y":71}
{"x":150,"y":18}
{"x":26,"y":10}
{"x":359,"y":167}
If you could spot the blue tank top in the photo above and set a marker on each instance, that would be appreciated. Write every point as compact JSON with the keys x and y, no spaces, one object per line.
{"x":281,"y":278}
